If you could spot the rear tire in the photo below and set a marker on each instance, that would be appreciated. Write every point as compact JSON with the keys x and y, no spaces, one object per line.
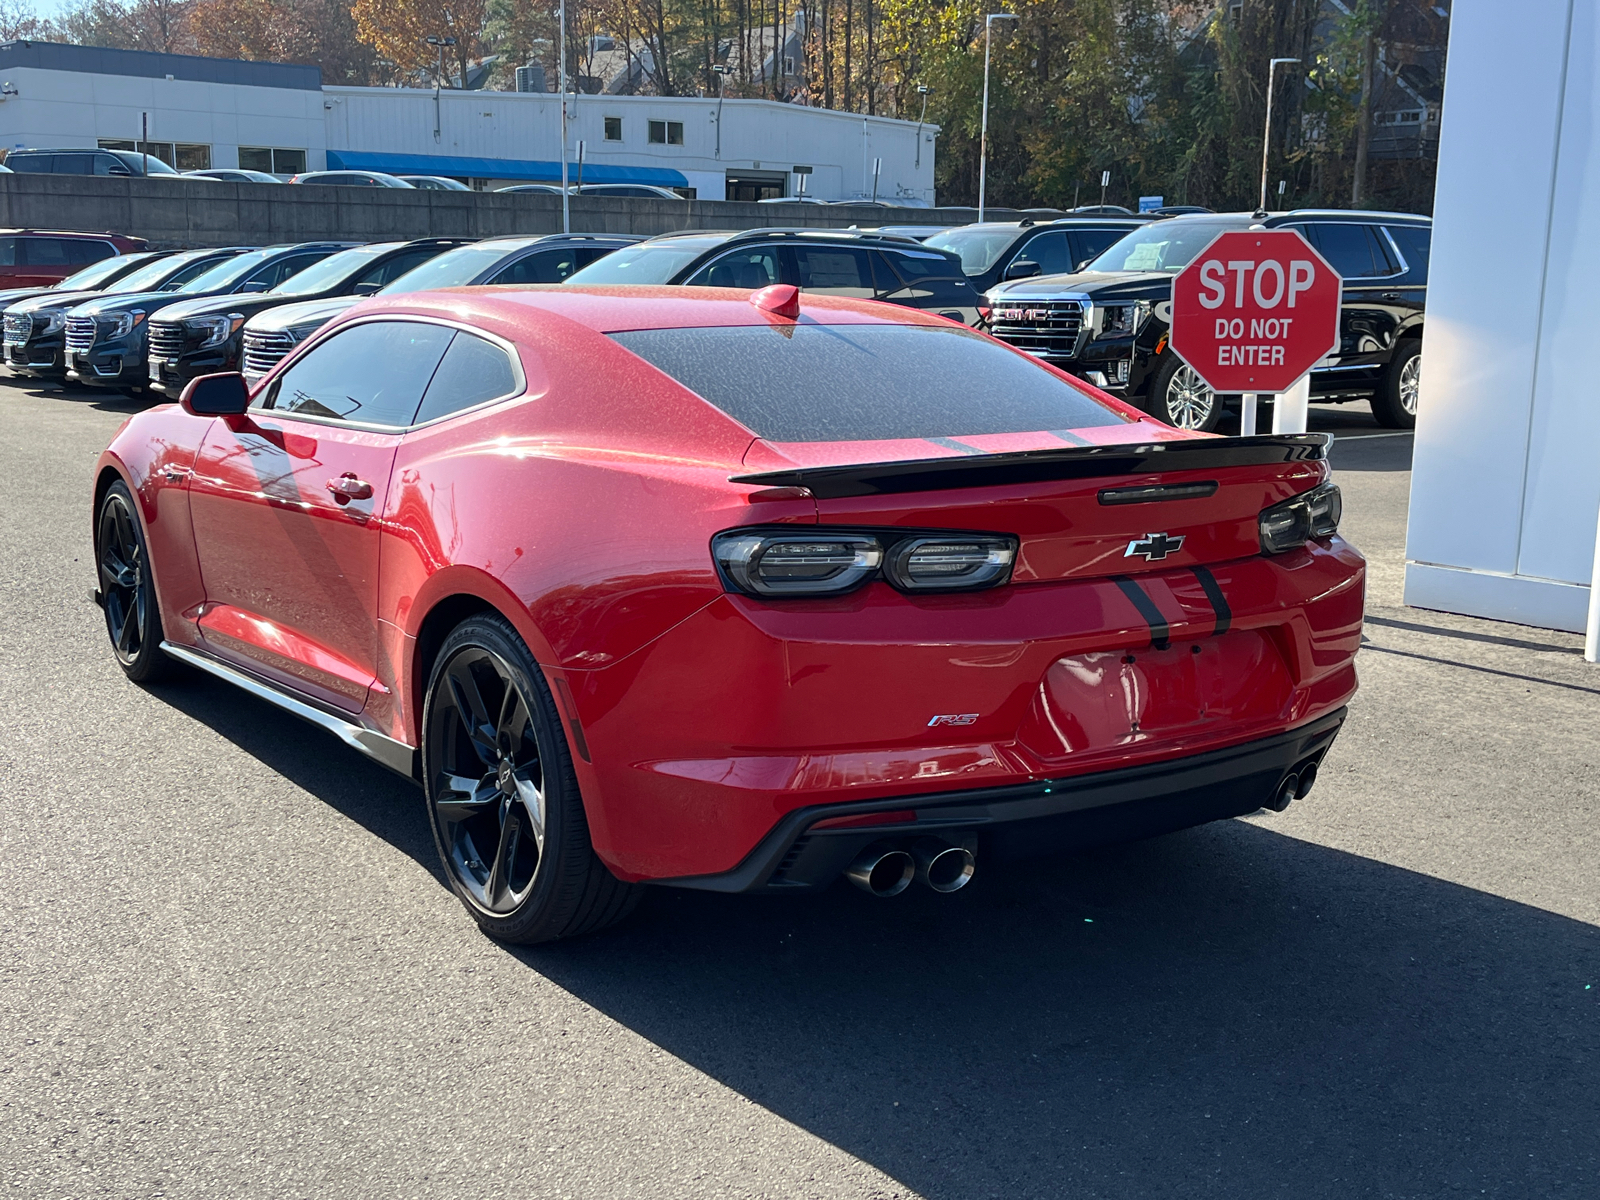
{"x":127,"y":588}
{"x":503,"y":799}
{"x":1395,"y":405}
{"x":1181,"y":398}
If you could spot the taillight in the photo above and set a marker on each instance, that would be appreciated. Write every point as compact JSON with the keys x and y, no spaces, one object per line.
{"x":1293,"y":522}
{"x":824,"y":562}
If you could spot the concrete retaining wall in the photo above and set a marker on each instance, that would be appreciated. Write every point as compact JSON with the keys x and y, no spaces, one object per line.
{"x":191,"y":212}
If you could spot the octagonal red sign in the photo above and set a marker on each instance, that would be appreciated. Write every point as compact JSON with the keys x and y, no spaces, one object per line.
{"x":1255,"y":310}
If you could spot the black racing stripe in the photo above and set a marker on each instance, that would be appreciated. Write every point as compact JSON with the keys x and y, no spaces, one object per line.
{"x":1219,"y":602}
{"x":1159,"y":630}
{"x":1071,"y":438}
{"x":952,"y":444}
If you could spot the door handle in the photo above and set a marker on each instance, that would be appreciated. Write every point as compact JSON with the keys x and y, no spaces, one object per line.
{"x":1391,"y":296}
{"x":347,"y":488}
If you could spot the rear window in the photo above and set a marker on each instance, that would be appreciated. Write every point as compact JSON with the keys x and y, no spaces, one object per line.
{"x":847,"y":383}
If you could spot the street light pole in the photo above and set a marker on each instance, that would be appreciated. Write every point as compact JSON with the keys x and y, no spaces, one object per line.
{"x":922,"y":90}
{"x":722,"y":90}
{"x":1266,"y":137}
{"x":439,"y":44}
{"x":566,"y":212}
{"x":983,"y":133}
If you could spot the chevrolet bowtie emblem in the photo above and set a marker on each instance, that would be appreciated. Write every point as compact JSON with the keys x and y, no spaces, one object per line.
{"x":1153,"y":547}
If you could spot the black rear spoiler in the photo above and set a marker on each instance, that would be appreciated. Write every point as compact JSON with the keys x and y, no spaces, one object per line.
{"x":1035,"y":466}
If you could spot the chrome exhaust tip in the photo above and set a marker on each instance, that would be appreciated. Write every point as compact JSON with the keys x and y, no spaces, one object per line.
{"x":883,"y":872}
{"x":943,"y":867}
{"x":1287,"y":791}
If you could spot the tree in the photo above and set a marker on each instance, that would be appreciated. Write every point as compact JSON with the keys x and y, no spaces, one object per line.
{"x":398,"y":30}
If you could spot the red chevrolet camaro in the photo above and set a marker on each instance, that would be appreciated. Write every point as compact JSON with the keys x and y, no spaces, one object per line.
{"x":737,"y":592}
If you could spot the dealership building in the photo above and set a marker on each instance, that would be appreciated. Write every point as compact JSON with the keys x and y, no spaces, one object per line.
{"x":279,"y":117}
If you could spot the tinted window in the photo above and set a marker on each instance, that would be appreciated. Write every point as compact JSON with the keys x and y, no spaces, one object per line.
{"x":913,"y":266}
{"x":1413,"y":241}
{"x":980,"y":246}
{"x":752,"y":268}
{"x":75,"y":164}
{"x":46,"y":252}
{"x":648,"y":262}
{"x":81,"y":250}
{"x":333,"y":272}
{"x":547,"y":266}
{"x":840,"y":270}
{"x":474,"y":370}
{"x":273,"y":274}
{"x":374,"y":373}
{"x":1050,"y":251}
{"x":38,"y":164}
{"x":219,"y":274}
{"x":157,"y":272}
{"x":453,"y":268}
{"x":1091,"y":243}
{"x":822,"y":383}
{"x":8,"y":252}
{"x":397,"y":266}
{"x":1351,"y":249}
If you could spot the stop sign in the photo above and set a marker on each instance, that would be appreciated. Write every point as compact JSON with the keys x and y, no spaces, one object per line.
{"x":1255,"y":311}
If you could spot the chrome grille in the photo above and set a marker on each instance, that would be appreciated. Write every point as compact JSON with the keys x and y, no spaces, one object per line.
{"x":19,"y":327}
{"x":166,"y":339}
{"x":1040,"y":326}
{"x":263,"y":351}
{"x":80,"y":334}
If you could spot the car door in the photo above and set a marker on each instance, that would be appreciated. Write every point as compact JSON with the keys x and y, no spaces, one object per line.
{"x":283,"y":499}
{"x":923,"y":279}
{"x":1368,"y":317}
{"x":1410,"y":290}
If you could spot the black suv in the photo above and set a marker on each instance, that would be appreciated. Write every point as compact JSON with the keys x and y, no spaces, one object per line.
{"x":899,"y":270}
{"x":106,"y":338}
{"x":76,"y":161}
{"x":1109,"y":323}
{"x":202,"y":337}
{"x":997,"y":251}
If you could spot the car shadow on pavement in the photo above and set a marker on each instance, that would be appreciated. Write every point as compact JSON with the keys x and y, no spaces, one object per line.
{"x":104,"y":399}
{"x":1223,"y":1012}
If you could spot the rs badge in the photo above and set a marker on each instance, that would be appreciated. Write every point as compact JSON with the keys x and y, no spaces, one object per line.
{"x":953,"y":719}
{"x":1153,"y":547}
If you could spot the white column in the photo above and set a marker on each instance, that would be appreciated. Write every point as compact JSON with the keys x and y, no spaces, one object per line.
{"x":1247,"y":415}
{"x":1289,"y":411}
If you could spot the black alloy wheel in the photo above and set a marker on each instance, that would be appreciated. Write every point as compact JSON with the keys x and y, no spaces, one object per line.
{"x":127,"y":590}
{"x":503,"y":799}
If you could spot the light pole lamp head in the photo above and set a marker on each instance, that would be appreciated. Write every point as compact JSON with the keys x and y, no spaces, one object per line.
{"x":991,"y":18}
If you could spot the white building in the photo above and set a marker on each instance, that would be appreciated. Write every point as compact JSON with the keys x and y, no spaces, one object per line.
{"x":1505,"y":492}
{"x":274,"y":116}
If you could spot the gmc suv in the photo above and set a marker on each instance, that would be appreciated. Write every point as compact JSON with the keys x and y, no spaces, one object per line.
{"x":1109,"y":322}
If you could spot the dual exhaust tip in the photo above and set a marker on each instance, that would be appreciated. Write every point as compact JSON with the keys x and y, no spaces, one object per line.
{"x":888,"y":870}
{"x":1296,"y":786}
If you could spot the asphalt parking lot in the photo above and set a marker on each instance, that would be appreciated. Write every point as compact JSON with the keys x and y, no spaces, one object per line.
{"x":230,"y":966}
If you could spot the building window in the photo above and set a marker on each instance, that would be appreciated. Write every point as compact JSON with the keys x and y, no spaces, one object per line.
{"x":666,"y":133}
{"x":273,"y":160}
{"x":613,"y":129}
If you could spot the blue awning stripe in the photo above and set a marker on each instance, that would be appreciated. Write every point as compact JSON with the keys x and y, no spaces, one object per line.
{"x":499,"y":168}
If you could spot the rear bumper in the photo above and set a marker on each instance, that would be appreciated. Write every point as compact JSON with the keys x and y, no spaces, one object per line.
{"x":1033,"y":819}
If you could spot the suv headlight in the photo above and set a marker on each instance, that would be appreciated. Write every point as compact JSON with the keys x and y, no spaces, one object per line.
{"x":1123,"y":320}
{"x":1293,"y":522}
{"x":55,"y":320}
{"x":299,"y":333}
{"x":213,"y":331}
{"x":823,"y":562}
{"x":122,"y":324}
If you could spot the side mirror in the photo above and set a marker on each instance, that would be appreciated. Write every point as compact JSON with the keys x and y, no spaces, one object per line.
{"x":366,"y":289}
{"x":118,"y":171}
{"x":1023,"y":268}
{"x":254,"y":285}
{"x":224,"y":395}
{"x":1082,"y":265}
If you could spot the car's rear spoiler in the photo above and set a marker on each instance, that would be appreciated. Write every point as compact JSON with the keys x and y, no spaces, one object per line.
{"x":1033,"y":466}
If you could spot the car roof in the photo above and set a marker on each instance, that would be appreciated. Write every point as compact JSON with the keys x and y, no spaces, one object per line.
{"x":730,"y":236}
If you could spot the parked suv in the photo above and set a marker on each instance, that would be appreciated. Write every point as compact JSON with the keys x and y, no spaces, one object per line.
{"x":74,"y":160}
{"x":96,"y":277}
{"x":828,"y":262}
{"x":42,"y":257}
{"x":35,"y":342}
{"x":1109,"y":323}
{"x":269,"y":336}
{"x":204,"y":336}
{"x":996,"y":251}
{"x":106,"y":339}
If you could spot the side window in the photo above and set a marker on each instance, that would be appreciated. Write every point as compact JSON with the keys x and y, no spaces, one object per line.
{"x":392,"y":269}
{"x":913,"y":267}
{"x":753,"y":268}
{"x":1414,"y":241}
{"x":278,"y":272}
{"x":192,"y":271}
{"x":1050,"y":251}
{"x":8,"y":251}
{"x":1348,"y":248}
{"x":474,"y":370}
{"x":76,"y":164}
{"x":1092,"y":243}
{"x":1383,"y":258}
{"x":589,"y":254}
{"x":547,"y":266}
{"x":37,"y":164}
{"x":836,"y":270}
{"x":81,"y":250}
{"x":374,"y":372}
{"x":45,"y":252}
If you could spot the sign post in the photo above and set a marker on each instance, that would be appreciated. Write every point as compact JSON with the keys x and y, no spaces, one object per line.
{"x":1253,"y":313}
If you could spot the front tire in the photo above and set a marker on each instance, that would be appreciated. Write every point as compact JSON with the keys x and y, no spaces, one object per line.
{"x":1182,"y":399}
{"x":502,"y":796}
{"x":1395,"y":405}
{"x":127,"y":588}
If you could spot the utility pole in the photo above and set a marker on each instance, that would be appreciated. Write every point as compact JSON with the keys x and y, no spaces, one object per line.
{"x":1266,"y":136}
{"x":1358,"y":187}
{"x":922,"y":90}
{"x":722,"y":90}
{"x":566,"y":208}
{"x":983,"y":133}
{"x":439,"y":44}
